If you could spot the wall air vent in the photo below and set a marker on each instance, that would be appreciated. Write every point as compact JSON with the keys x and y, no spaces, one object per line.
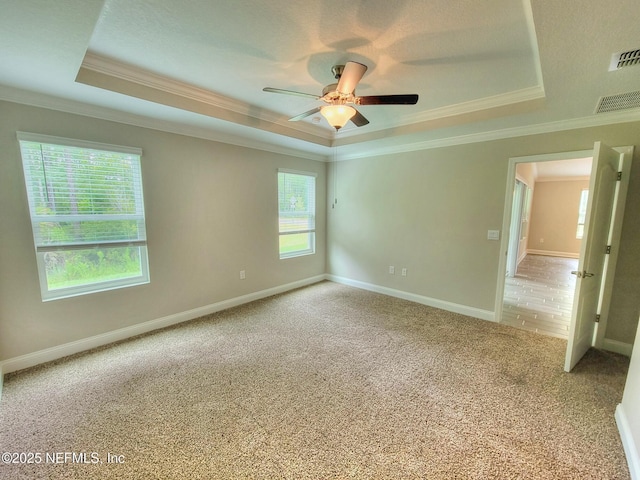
{"x":622,"y":101}
{"x":624,"y":59}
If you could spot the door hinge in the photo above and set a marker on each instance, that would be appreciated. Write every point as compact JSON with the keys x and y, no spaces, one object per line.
{"x":619,"y":176}
{"x":608,"y":249}
{"x":598,"y":318}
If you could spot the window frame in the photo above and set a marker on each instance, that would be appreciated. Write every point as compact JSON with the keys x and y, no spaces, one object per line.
{"x":311,"y":250}
{"x":48,"y":293}
{"x":582,"y":212}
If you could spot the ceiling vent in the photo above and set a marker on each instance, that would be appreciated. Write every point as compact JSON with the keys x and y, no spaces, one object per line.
{"x":622,"y":101}
{"x":624,"y":59}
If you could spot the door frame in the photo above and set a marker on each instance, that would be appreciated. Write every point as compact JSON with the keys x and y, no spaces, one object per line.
{"x":627,"y":154}
{"x":506,"y":217}
{"x":514,"y":240}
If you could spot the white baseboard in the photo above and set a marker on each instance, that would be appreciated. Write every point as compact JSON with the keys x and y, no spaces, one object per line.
{"x":54,"y":353}
{"x":629,"y":444}
{"x":522,"y":257}
{"x":551,"y":253}
{"x":617,"y":347}
{"x":432,"y":302}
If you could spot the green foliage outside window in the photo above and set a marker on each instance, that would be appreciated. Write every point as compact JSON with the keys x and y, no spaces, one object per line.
{"x":87,"y":213}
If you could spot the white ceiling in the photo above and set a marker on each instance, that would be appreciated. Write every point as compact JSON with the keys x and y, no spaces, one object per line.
{"x":563,"y":169}
{"x":482,"y":70}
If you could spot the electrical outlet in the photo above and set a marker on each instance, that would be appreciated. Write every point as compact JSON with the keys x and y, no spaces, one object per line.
{"x":542,"y":240}
{"x":392,"y":270}
{"x":242,"y":275}
{"x":404,"y":272}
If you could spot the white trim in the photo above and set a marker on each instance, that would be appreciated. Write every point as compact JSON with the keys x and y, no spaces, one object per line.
{"x":553,"y":253}
{"x":630,"y":448}
{"x":33,"y":99}
{"x":113,"y":69}
{"x":617,"y":347}
{"x":1,"y":381}
{"x":60,"y":351}
{"x":552,"y":157}
{"x":413,"y":297}
{"x":73,"y":142}
{"x":463,"y":108}
{"x":298,"y":172}
{"x":501,"y":100}
{"x":601,"y":119}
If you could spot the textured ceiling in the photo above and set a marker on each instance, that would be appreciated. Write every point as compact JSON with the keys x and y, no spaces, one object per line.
{"x":481,"y":69}
{"x":563,"y":169}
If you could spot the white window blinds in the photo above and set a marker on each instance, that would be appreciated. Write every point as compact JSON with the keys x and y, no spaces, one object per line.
{"x":296,"y":212}
{"x":84,"y":196}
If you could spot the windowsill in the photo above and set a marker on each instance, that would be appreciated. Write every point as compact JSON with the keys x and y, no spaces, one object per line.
{"x":297,"y":254}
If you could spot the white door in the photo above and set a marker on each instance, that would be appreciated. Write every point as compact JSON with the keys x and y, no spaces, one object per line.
{"x":602,"y":187}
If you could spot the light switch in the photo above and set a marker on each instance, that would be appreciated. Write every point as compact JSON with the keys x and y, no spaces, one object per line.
{"x":493,"y":234}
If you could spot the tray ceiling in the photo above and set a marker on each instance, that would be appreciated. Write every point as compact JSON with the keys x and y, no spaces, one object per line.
{"x":200,"y":67}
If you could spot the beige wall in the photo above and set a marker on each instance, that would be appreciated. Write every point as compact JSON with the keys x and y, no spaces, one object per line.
{"x":554,"y":217}
{"x":429,"y":211}
{"x":211,"y":210}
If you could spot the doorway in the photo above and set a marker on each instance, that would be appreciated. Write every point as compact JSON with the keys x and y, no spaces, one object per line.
{"x":596,"y":268}
{"x":519,"y":217}
{"x":539,"y":287}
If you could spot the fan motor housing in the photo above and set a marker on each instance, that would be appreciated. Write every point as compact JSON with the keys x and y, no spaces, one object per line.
{"x":330,"y":94}
{"x":329,"y":89}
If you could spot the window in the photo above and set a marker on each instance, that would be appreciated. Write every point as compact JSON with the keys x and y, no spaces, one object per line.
{"x":297,"y":213}
{"x":582,"y":212}
{"x":87,"y":215}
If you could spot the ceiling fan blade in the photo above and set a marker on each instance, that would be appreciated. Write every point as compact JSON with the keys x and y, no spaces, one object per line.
{"x":350,"y":77}
{"x":290,"y":92}
{"x":305,"y":114}
{"x":358,"y":120}
{"x":410,"y":99}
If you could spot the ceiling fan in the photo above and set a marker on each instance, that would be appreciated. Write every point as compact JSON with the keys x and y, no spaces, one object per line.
{"x":340,"y":96}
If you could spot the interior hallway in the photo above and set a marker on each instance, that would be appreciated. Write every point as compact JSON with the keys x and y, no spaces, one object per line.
{"x":539,"y":297}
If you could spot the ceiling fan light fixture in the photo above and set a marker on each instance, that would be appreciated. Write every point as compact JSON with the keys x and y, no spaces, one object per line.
{"x":338,"y":115}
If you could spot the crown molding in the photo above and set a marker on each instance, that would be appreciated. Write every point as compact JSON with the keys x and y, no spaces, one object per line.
{"x":597,"y":120}
{"x":113,"y":68}
{"x":110,"y":74}
{"x":39,"y":100}
{"x":75,"y":107}
{"x":521,"y":96}
{"x":486,"y":103}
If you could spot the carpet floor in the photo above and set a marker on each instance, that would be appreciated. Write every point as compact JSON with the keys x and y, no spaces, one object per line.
{"x":322,"y":382}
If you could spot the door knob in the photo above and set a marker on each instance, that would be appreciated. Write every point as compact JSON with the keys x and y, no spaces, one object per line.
{"x":582,"y":274}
